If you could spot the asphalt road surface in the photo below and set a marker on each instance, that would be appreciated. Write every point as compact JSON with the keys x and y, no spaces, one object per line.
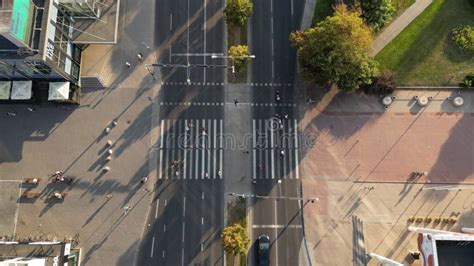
{"x":186,"y":216}
{"x":276,"y":144}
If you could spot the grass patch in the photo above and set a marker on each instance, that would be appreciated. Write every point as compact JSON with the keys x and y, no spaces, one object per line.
{"x":423,"y":54}
{"x":237,"y":213}
{"x":323,"y":9}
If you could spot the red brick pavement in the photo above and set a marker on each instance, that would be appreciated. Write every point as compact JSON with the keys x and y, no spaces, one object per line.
{"x":388,"y":147}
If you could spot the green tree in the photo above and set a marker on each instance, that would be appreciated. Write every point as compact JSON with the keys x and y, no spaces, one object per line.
{"x":383,"y":84}
{"x":337,"y":50}
{"x":377,"y":13}
{"x":240,"y":54}
{"x":237,"y":11}
{"x":235,"y":239}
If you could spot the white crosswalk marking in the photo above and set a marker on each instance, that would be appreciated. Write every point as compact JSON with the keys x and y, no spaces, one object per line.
{"x":269,"y":139}
{"x":196,"y":151}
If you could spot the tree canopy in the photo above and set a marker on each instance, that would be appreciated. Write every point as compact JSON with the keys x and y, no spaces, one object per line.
{"x":238,"y":11}
{"x":337,"y":50}
{"x":377,"y":13}
{"x":240,"y":54}
{"x":235,"y":239}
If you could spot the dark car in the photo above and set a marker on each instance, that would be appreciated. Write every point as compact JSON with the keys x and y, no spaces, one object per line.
{"x":263,"y":250}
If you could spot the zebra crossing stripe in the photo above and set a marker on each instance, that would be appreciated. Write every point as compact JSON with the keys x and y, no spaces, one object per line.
{"x":162,"y":137}
{"x":272,"y":154}
{"x":296,"y":149}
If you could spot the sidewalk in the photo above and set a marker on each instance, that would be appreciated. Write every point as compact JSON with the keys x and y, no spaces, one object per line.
{"x":397,"y":26}
{"x":353,"y":219}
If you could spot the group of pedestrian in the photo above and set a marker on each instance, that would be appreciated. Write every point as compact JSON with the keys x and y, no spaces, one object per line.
{"x":139,"y":57}
{"x":58,"y":176}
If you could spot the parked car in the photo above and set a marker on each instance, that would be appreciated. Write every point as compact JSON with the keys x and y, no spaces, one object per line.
{"x":263,"y":250}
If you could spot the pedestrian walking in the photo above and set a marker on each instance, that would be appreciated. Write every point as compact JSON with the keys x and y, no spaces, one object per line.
{"x":282,"y":153}
{"x":236,"y":102}
{"x":31,"y":109}
{"x":126,"y":209}
{"x":143,"y":180}
{"x":128,"y":64}
{"x":140,"y":56}
{"x":206,"y":174}
{"x":109,"y":196}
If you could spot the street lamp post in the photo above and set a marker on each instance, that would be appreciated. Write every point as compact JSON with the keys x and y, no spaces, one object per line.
{"x":273,"y":197}
{"x":232,"y":57}
{"x":188,"y":67}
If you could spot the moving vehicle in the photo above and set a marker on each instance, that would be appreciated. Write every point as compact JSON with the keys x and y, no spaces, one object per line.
{"x":263,"y":250}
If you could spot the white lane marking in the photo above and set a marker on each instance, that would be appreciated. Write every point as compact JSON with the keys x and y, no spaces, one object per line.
{"x":184,"y":228}
{"x":203,"y":148}
{"x":215,"y":151}
{"x":171,"y":21}
{"x":166,"y":203}
{"x":197,"y":150}
{"x":292,"y":11}
{"x":272,"y":147}
{"x":202,"y":195}
{"x":164,"y":228}
{"x":202,"y":220}
{"x":254,"y":132}
{"x":279,"y":226}
{"x":271,"y":6}
{"x":156,"y":210}
{"x":187,"y":38}
{"x":276,"y":234}
{"x":172,"y":143}
{"x":221,"y":132}
{"x":163,"y":254}
{"x":202,"y":246}
{"x":182,"y":256}
{"x":205,"y":29}
{"x":160,"y":175}
{"x":152,"y":247}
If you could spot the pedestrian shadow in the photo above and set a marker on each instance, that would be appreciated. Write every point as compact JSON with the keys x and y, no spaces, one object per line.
{"x":91,"y":217}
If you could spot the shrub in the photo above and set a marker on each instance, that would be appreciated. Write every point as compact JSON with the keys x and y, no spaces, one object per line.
{"x":463,"y":37}
{"x":468,"y":81}
{"x":240,"y":54}
{"x":377,"y":13}
{"x":383,"y":84}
